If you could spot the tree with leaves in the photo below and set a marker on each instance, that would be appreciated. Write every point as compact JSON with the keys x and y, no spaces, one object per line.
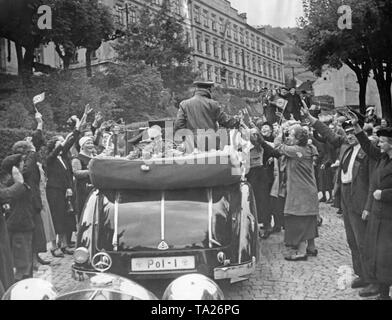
{"x":19,"y":23}
{"x":159,"y":40}
{"x":364,"y":47}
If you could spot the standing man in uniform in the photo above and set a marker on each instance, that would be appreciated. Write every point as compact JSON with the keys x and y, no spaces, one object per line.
{"x":201,"y":112}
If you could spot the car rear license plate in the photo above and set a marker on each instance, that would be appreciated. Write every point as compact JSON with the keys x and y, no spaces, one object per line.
{"x":163,"y":263}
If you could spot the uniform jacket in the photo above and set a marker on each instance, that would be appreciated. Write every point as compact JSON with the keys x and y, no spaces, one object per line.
{"x":360,"y":181}
{"x":201,"y":112}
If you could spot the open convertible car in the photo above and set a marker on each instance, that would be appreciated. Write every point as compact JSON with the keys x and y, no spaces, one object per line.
{"x":164,"y":219}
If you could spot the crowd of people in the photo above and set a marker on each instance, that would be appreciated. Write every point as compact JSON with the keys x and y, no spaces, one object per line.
{"x":296,"y":154}
{"x":43,"y":187}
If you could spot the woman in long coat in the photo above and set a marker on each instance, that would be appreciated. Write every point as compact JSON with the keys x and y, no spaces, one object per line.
{"x":378,"y":242}
{"x":59,"y":186}
{"x":301,"y":206}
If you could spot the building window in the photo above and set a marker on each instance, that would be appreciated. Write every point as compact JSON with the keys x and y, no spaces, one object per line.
{"x":215,"y":45}
{"x":217,"y":75}
{"x":250,"y":84}
{"x":268,"y":48}
{"x":254,"y":64}
{"x":177,"y":7}
{"x":238,"y":81}
{"x":228,"y":29}
{"x":207,"y":43}
{"x":205,"y":18}
{"x":235,"y":30}
{"x":237,"y":57}
{"x":209,"y":72}
{"x":213,"y":22}
{"x":223,"y":52}
{"x":230,"y":54}
{"x":263,"y":46}
{"x":259,"y":66}
{"x":255,"y":85}
{"x":200,"y":67}
{"x":198,"y":43}
{"x":274,"y":71}
{"x":132,"y":16}
{"x":241,"y":35}
{"x":269,"y":70}
{"x":197,"y":14}
{"x":279,"y":73}
{"x":247,"y":38}
{"x":119,"y":15}
{"x":221,"y":25}
{"x":273,"y":51}
{"x":231,"y":79}
{"x":264,"y":67}
{"x":248,"y":66}
{"x":278,"y":53}
{"x":94,"y":55}
{"x":258,"y":44}
{"x":252,"y":41}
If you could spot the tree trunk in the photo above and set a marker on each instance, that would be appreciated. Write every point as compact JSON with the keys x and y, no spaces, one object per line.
{"x":383,"y":78}
{"x":19,"y":56}
{"x":362,"y":95}
{"x":362,"y":72}
{"x":88,"y":63}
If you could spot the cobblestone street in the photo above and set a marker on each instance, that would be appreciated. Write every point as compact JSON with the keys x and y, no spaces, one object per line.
{"x":318,"y":278}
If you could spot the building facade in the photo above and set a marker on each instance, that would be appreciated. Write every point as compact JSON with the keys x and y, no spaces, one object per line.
{"x":226,"y":49}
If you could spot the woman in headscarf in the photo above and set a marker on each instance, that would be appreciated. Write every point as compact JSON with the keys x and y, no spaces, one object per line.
{"x":378,"y":210}
{"x":301,"y":206}
{"x":81,"y":172}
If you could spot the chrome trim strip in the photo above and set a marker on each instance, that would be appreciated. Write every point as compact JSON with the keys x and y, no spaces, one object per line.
{"x":163,"y":216}
{"x":115,"y":234}
{"x":210,"y":217}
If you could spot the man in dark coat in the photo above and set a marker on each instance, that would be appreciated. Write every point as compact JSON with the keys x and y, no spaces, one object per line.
{"x":7,"y":195}
{"x":378,"y":251}
{"x":353,"y":182}
{"x":294,"y":105}
{"x":32,"y":177}
{"x":201,"y":112}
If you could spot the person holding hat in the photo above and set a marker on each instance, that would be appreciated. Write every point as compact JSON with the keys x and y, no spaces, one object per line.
{"x":202,"y":112}
{"x":81,"y":173}
{"x":353,"y":185}
{"x":378,"y":209}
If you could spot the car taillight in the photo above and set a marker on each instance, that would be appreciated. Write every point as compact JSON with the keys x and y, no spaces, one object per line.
{"x":81,"y":255}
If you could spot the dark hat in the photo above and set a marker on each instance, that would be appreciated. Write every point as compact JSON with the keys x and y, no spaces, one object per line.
{"x":386,"y":132}
{"x":11,"y":161}
{"x":203,"y":84}
{"x":285,"y":88}
{"x":304,"y":92}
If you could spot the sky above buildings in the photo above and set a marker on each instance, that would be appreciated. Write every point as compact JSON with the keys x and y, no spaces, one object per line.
{"x":277,"y":13}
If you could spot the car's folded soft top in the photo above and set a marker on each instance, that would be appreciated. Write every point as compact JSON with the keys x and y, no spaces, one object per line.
{"x":193,"y":171}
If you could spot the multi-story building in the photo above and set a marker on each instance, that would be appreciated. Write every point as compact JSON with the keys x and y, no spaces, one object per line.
{"x":227,"y":50}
